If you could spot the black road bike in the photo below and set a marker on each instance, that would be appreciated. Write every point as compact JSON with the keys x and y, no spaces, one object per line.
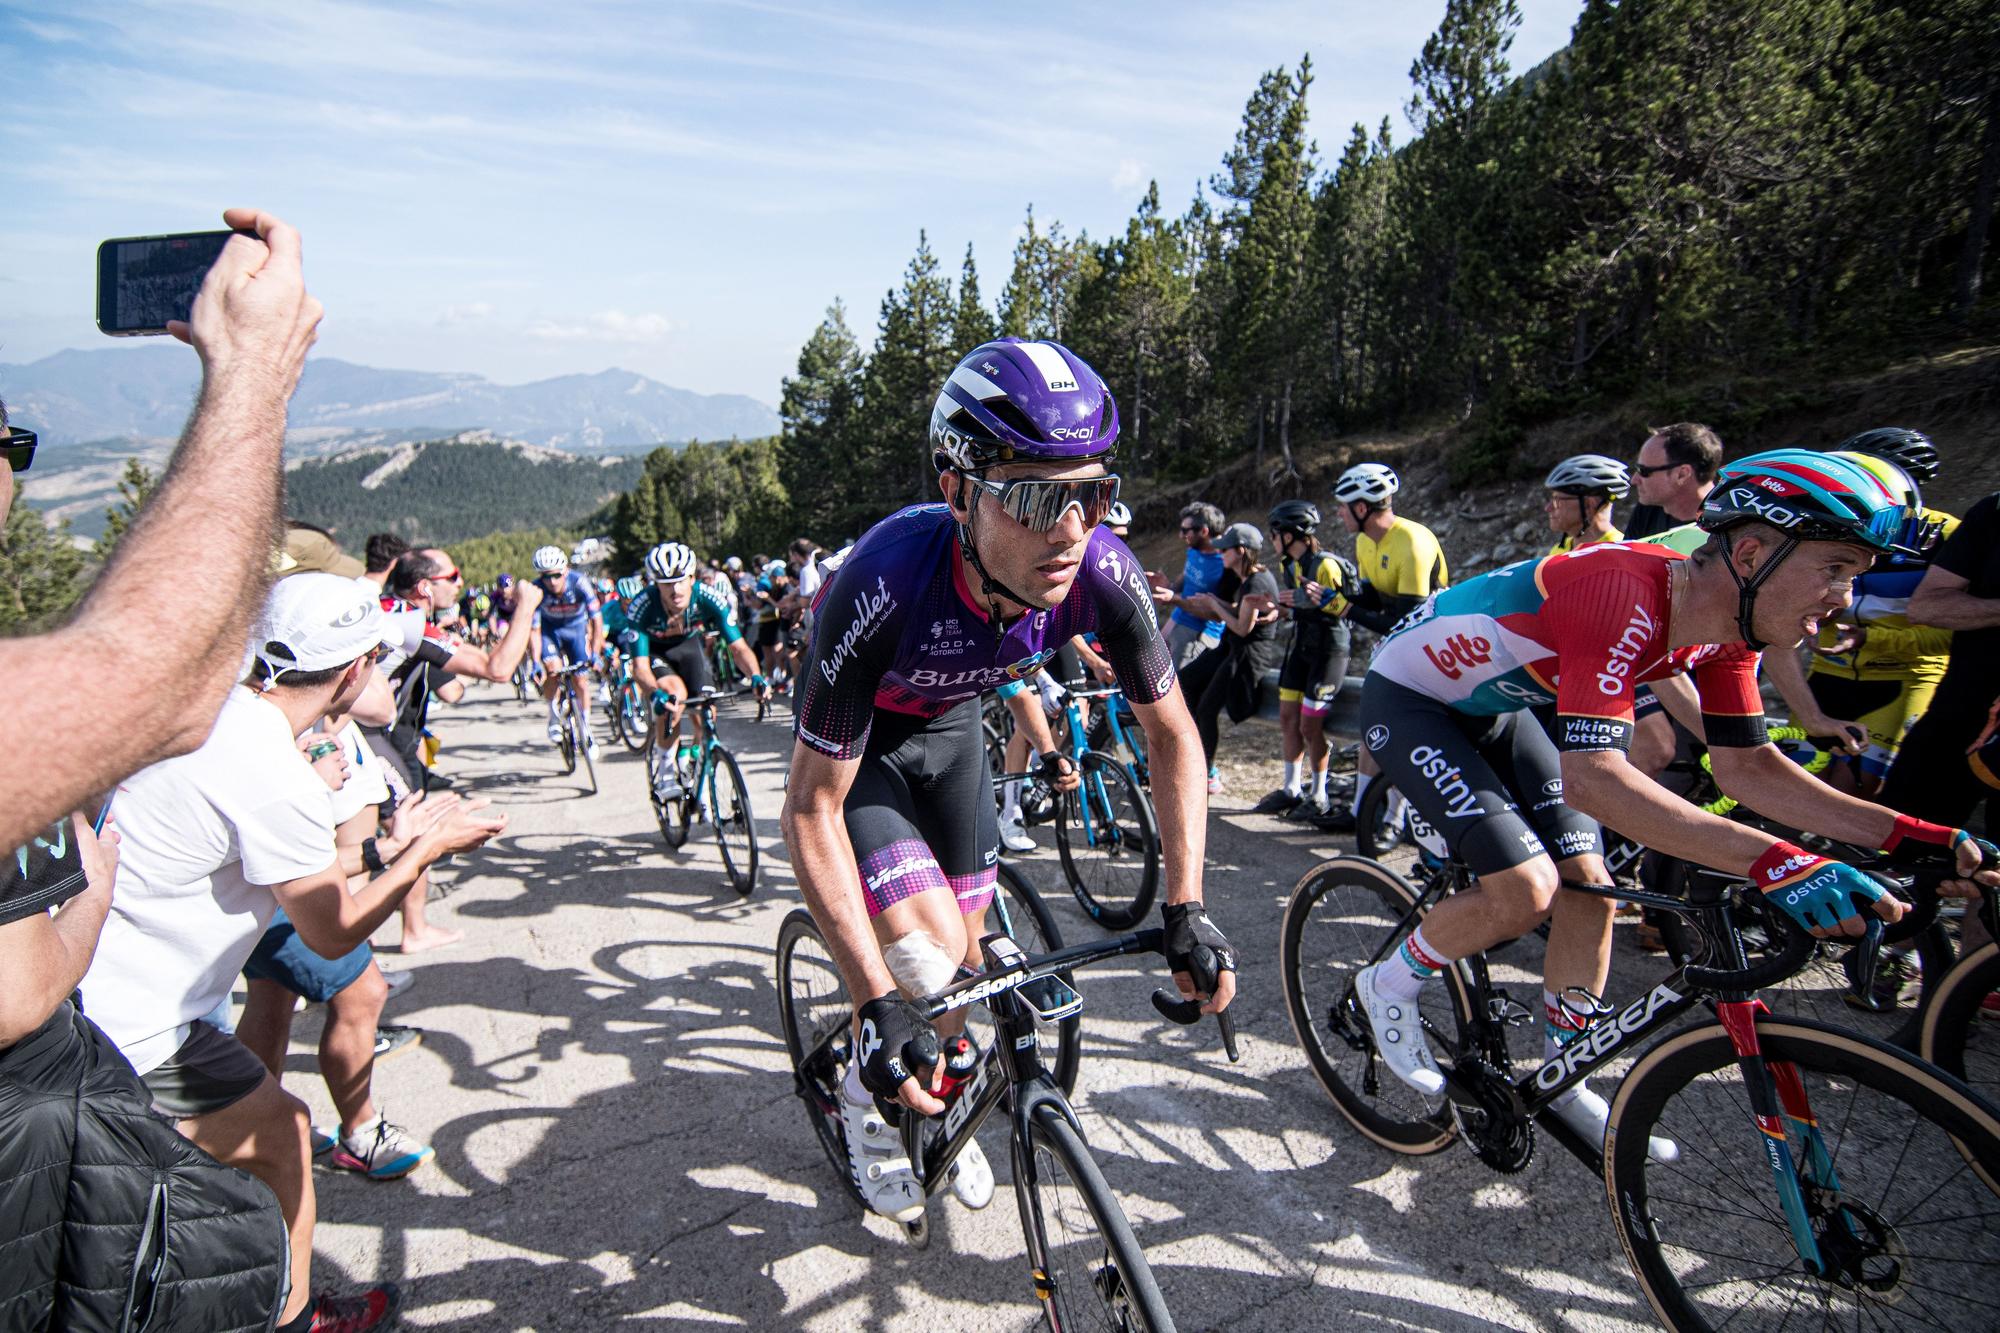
{"x":1821,"y":1176}
{"x":1089,"y":1269}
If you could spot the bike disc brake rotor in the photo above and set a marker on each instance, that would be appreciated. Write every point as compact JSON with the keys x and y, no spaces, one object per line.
{"x":1864,"y":1253}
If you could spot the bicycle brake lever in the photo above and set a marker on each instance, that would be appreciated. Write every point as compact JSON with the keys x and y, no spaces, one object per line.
{"x":1867,"y":954}
{"x":1228,"y":1026}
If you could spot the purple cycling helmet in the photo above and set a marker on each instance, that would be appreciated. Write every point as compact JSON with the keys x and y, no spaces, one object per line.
{"x":1012,"y":400}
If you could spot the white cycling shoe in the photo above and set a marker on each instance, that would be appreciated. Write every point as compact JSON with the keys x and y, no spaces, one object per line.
{"x":972,"y":1178}
{"x":555,"y":730}
{"x":1587,"y":1113}
{"x":1015,"y":838}
{"x":1399,"y":1035}
{"x":877,"y":1164}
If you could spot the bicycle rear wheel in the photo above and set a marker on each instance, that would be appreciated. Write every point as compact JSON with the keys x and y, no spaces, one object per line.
{"x":1955,"y":1036}
{"x":1912,"y":1230}
{"x":1109,"y":843}
{"x":1019,"y":911}
{"x":735,"y":828}
{"x":813,"y":1008}
{"x":1342,"y":916}
{"x":1093,"y":1271}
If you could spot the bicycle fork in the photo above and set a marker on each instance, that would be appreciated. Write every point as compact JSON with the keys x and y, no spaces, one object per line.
{"x":1777,"y":1098}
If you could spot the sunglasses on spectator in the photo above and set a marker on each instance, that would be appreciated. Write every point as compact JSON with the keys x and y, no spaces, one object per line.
{"x":19,"y":447}
{"x":1188,"y":529}
{"x":1645,"y":471}
{"x":453,"y":574}
{"x":1039,"y":505}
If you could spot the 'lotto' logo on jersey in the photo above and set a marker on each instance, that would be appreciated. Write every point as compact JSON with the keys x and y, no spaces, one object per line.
{"x":1461,"y":652}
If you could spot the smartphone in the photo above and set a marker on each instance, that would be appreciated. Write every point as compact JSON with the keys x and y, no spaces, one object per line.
{"x":144,"y":281}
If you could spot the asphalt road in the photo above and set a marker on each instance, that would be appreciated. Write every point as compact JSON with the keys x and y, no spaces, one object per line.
{"x":618,"y":1143}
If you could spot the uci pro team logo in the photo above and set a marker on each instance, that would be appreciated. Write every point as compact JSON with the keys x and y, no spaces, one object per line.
{"x":1378,"y":736}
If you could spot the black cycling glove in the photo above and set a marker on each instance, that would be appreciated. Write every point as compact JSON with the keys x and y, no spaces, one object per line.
{"x":1054,"y":763}
{"x":896,"y":1041}
{"x":1196,"y":947}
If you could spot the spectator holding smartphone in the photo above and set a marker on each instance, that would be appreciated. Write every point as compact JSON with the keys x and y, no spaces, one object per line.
{"x":213,"y":843}
{"x":65,"y":1092}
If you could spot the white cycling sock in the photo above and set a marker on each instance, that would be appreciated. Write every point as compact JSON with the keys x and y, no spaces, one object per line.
{"x":1319,"y":786}
{"x":1361,"y":781}
{"x":1404,"y":972}
{"x":1010,"y":803}
{"x":1292,"y":776}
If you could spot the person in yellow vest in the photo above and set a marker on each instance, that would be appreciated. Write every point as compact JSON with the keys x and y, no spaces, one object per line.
{"x":1582,"y":491}
{"x":1401,"y":564}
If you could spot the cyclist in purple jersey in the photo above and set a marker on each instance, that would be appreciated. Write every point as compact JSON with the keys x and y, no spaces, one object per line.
{"x":889,"y":814}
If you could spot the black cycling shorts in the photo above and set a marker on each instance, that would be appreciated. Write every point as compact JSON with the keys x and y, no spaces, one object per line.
{"x":1314,"y":669}
{"x":1462,"y":773}
{"x":920,"y":813}
{"x":687,"y":659}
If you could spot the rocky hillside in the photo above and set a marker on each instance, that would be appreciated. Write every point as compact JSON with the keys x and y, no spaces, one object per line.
{"x":1954,"y":397}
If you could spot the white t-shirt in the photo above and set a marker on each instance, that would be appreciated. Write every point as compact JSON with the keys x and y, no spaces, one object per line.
{"x":200,"y":838}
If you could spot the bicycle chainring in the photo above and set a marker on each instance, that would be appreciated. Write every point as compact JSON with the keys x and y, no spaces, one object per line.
{"x":1497,"y":1134}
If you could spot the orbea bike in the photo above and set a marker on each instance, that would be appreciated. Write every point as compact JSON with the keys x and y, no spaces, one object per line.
{"x":1088,"y":1268}
{"x":1815,"y":1170}
{"x":574,"y":741}
{"x":711,"y":788}
{"x":1106,"y":832}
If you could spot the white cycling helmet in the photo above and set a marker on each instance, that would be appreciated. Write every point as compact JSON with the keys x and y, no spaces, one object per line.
{"x":669,"y":562}
{"x":1590,"y":474}
{"x":549,"y":559}
{"x":1118,"y":516}
{"x":1369,"y":482}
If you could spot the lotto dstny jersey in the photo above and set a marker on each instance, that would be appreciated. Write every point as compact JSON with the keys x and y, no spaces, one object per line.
{"x":1579,"y":630}
{"x":572,"y":599}
{"x":1893,"y":648}
{"x":1407,"y":562}
{"x":897,"y":628}
{"x":660,"y":629}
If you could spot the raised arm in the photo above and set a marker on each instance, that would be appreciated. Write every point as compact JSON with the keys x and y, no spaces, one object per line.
{"x":216,"y":511}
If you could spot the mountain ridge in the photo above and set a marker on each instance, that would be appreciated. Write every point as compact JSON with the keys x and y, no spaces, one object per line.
{"x":143,"y":394}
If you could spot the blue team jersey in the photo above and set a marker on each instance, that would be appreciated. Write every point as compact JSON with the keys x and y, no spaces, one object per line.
{"x":574,"y":600}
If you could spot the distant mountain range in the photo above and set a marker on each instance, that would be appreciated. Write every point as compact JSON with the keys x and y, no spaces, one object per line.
{"x":143,"y":393}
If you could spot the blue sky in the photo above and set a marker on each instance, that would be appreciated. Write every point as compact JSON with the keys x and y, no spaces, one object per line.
{"x":524,"y":190}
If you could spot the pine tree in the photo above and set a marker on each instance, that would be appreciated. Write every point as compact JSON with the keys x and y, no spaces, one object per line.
{"x":41,"y":569}
{"x":135,"y":484}
{"x":820,"y":408}
{"x":1041,"y":287}
{"x":971,"y":324}
{"x":913,"y":354}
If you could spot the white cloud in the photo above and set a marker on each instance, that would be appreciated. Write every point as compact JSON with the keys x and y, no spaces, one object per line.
{"x":473,"y":312}
{"x":606,"y":326}
{"x":1129,"y":176}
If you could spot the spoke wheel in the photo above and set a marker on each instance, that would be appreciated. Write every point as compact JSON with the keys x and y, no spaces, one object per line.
{"x":1343,"y":916}
{"x":735,"y":828}
{"x":1109,"y":843}
{"x":673,"y":816}
{"x":579,"y":744}
{"x":566,"y":738}
{"x":1910,"y":1230}
{"x":813,"y":1008}
{"x":1090,"y":1270}
{"x":633,"y":707}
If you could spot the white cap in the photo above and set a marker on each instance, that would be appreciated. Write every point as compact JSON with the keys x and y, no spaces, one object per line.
{"x":314,"y":622}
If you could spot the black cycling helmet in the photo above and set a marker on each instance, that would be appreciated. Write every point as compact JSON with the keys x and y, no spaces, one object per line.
{"x":1910,"y":450}
{"x":1300,"y":516}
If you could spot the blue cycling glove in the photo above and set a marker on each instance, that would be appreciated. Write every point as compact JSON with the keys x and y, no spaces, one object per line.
{"x":1817,"y":893}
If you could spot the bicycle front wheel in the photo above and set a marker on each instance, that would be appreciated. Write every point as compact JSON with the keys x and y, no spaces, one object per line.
{"x":580,"y":744}
{"x":566,"y":740}
{"x":735,"y":828}
{"x":638,"y":716}
{"x":814,"y":1012}
{"x":1956,"y":1037}
{"x":1344,"y":915}
{"x":1094,"y":1273}
{"x":1019,"y":911}
{"x":674,"y":815}
{"x":1908,"y":1228}
{"x":1109,"y":843}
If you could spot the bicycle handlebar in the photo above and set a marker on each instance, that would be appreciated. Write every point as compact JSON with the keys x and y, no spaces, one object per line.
{"x":1034,"y":967}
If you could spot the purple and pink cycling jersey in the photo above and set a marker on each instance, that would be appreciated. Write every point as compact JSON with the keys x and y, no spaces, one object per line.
{"x":898,"y":629}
